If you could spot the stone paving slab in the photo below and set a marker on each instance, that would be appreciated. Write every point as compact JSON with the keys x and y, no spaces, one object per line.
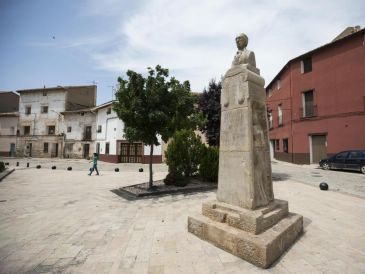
{"x":68,"y":222}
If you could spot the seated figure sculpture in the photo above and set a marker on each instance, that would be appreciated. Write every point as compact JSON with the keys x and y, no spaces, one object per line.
{"x":243,"y":55}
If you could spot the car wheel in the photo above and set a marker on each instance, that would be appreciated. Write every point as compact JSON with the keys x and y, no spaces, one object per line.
{"x":326,"y":166}
{"x":363,"y":169}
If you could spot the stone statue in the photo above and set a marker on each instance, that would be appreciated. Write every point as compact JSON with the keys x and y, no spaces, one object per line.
{"x":243,"y":56}
{"x":245,"y":219}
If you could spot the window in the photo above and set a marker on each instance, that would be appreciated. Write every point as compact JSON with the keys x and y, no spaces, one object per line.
{"x":306,"y":65}
{"x":44,"y":109}
{"x":99,"y":129}
{"x":269,"y":93}
{"x":280,"y":115}
{"x":26,"y":130}
{"x":109,"y":110}
{"x":45,"y":147}
{"x":270,"y":119}
{"x":277,"y":144}
{"x":342,"y":155}
{"x":97,"y":148}
{"x":357,"y":155}
{"x":87,"y":133}
{"x":28,"y":110}
{"x":308,"y":104}
{"x":69,"y":129}
{"x":44,"y":93}
{"x":286,"y":145}
{"x":278,"y":84}
{"x":106,"y":148}
{"x":51,"y":130}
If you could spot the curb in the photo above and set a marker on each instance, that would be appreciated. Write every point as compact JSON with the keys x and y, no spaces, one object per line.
{"x":6,"y":173}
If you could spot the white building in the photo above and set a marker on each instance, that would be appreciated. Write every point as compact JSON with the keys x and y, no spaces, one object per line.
{"x":111,"y":144}
{"x":41,"y":122}
{"x":79,"y":130}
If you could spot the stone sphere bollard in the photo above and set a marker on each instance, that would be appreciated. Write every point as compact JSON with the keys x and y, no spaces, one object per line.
{"x":140,"y":170}
{"x":69,"y":168}
{"x":53,"y":167}
{"x":116,"y":169}
{"x":38,"y":166}
{"x":323,"y":186}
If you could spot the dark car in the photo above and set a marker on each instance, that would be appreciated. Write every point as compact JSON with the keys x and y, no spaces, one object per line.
{"x":350,"y":160}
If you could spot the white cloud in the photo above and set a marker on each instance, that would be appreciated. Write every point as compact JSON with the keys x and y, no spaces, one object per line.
{"x":195,"y":39}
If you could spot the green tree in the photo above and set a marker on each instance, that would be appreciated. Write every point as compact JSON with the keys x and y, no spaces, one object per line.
{"x":154,"y":105}
{"x":209,"y":105}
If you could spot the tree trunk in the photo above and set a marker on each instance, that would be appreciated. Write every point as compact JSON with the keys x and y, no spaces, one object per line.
{"x":151,"y":178}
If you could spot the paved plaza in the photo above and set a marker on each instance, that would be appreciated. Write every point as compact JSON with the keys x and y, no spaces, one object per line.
{"x":58,"y":221}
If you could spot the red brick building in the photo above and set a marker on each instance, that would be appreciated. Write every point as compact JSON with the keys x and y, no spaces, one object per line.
{"x":316,"y":103}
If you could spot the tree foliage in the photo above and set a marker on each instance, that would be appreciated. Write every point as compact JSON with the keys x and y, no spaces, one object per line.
{"x":209,"y":105}
{"x":153,"y":105}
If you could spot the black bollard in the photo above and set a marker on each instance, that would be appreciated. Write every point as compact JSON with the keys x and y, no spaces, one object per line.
{"x":38,"y":166}
{"x":53,"y":167}
{"x":323,"y":186}
{"x":7,"y":163}
{"x":140,"y":170}
{"x":116,"y":169}
{"x":27,"y":164}
{"x":17,"y":163}
{"x":69,"y":168}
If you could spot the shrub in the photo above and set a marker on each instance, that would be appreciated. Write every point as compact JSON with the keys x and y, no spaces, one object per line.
{"x":173,"y":179}
{"x":208,"y":168}
{"x":184,"y":153}
{"x":2,"y":166}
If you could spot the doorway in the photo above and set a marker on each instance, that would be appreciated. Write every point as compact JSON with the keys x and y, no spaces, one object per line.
{"x":131,"y":152}
{"x":318,"y":149}
{"x":86,"y":150}
{"x":28,"y":150}
{"x":12,"y":150}
{"x":54,"y":152}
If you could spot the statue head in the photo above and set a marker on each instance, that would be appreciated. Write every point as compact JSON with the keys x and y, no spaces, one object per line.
{"x":241,"y":41}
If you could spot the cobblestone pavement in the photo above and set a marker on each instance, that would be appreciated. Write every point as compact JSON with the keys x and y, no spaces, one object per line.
{"x":337,"y":180}
{"x":67,"y":222}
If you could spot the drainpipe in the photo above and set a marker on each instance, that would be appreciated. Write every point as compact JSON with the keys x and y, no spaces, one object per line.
{"x":291,"y":116}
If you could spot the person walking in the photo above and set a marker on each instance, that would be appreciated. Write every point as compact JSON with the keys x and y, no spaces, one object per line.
{"x":95,"y":164}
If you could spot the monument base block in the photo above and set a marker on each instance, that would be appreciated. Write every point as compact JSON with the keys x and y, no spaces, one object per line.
{"x":268,"y":231}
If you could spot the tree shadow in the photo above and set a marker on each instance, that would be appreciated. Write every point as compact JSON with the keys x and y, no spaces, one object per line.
{"x":276,"y":176}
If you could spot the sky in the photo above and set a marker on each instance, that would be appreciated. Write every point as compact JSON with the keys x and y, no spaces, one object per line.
{"x":85,"y":42}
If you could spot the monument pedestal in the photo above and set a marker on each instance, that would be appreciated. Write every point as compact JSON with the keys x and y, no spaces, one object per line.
{"x":258,"y":236}
{"x":246,"y":220}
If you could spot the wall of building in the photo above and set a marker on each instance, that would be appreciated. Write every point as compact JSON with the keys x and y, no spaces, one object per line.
{"x":38,"y":146}
{"x":8,"y":129}
{"x":39,"y":122}
{"x":75,"y":140}
{"x":79,"y":97}
{"x":338,"y":81}
{"x":9,"y":102}
{"x":112,"y":132}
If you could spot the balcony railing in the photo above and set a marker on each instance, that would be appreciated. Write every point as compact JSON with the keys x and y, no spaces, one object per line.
{"x":308,"y":112}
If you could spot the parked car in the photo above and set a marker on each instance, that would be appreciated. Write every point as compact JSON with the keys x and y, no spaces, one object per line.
{"x":350,"y":160}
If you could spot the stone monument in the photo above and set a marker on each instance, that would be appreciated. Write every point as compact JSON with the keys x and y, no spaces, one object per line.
{"x":246,"y":220}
